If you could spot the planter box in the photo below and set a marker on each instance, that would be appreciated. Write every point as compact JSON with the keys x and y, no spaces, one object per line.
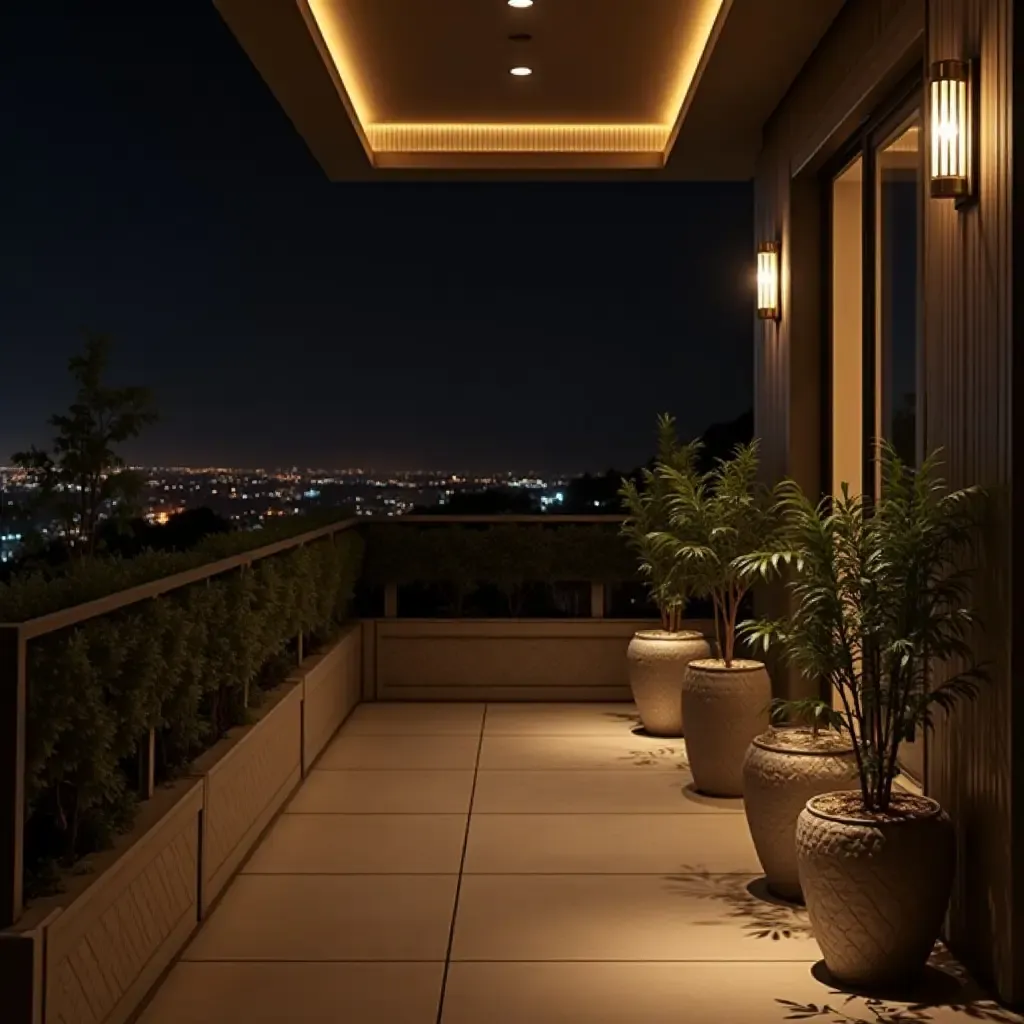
{"x":332,"y":687}
{"x":496,"y":659}
{"x":247,"y":777}
{"x":97,"y":949}
{"x":106,"y":948}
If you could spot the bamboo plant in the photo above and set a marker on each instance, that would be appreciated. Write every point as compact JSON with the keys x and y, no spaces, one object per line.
{"x":880,"y":609}
{"x":714,"y":519}
{"x":647,"y":515}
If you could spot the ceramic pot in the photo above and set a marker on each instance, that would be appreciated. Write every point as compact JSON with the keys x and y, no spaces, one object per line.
{"x":876,"y":885}
{"x":657,"y":666}
{"x":724,"y":709}
{"x":783,"y":769}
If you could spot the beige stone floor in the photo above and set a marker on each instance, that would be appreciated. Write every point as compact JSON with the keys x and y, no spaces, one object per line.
{"x":513,"y":864}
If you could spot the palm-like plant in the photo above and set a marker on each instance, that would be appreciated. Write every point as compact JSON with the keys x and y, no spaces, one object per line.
{"x":714,"y":520}
{"x":647,"y":515}
{"x":881,"y":593}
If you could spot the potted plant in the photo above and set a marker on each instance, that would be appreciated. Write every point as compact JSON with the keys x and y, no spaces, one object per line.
{"x":784,"y":767}
{"x":658,"y":658}
{"x":881,"y":604}
{"x":715,"y":518}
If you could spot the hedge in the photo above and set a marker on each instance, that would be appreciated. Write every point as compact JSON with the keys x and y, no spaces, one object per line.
{"x":187,"y":665}
{"x":507,"y":555}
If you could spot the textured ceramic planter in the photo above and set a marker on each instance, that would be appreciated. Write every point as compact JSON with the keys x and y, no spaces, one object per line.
{"x":783,"y":769}
{"x":876,"y":886}
{"x":657,"y":666}
{"x":724,"y":709}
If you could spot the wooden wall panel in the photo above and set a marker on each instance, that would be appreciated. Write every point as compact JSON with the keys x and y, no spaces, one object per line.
{"x":969,"y":334}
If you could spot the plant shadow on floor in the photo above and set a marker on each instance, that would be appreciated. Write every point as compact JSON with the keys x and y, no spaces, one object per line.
{"x":630,"y":718}
{"x":658,"y":756}
{"x":747,"y":903}
{"x":945,"y":989}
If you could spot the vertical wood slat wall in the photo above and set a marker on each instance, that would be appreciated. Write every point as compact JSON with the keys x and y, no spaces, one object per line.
{"x":968,"y":407}
{"x":968,"y":339}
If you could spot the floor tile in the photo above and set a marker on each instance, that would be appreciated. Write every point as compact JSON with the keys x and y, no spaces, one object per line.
{"x":560,"y":719}
{"x":593,"y":792}
{"x":361,"y":843}
{"x":609,"y":844}
{"x":400,"y":752}
{"x":625,"y":917}
{"x":589,"y":752}
{"x":329,"y":917}
{"x":695,"y":993}
{"x":310,"y":993}
{"x":383,"y":792}
{"x":415,"y":719}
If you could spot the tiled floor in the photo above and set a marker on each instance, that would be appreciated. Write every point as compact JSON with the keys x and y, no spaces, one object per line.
{"x":513,"y":864}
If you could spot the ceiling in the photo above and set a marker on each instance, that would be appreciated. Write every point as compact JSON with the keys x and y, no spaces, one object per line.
{"x":657,"y":88}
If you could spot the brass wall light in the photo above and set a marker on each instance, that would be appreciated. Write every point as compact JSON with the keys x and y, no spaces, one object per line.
{"x":952,"y":129}
{"x":768,"y":280}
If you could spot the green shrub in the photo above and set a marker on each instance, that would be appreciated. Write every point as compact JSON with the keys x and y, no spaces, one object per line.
{"x":508,"y":555}
{"x":187,"y":664}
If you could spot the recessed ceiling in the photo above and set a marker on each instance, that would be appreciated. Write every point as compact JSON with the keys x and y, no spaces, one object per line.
{"x":426,"y":84}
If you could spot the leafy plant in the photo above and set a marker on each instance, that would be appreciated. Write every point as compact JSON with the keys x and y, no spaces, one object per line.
{"x":83,"y":478}
{"x":187,"y":665}
{"x":881,"y":592}
{"x":649,"y":518}
{"x":715,"y":519}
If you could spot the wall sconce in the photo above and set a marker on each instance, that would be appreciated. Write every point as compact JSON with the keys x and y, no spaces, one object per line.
{"x":768,"y":280}
{"x":952,"y":127}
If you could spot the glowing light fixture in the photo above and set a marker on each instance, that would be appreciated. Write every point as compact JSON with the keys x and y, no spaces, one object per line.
{"x":768,"y":280}
{"x":520,"y":72}
{"x":952,"y":130}
{"x":520,"y":3}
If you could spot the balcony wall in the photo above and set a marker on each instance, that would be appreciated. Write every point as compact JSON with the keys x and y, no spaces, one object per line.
{"x":474,"y":659}
{"x":969,"y":398}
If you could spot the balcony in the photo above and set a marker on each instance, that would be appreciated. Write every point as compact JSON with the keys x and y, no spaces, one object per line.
{"x":440,"y":813}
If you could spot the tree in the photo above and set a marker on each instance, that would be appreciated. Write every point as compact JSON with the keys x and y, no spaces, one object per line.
{"x":715,"y":520}
{"x":648,"y":520}
{"x":82,"y":478}
{"x":882,"y":608}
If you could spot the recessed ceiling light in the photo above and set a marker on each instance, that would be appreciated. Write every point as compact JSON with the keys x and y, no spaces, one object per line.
{"x":520,"y":3}
{"x":520,"y":72}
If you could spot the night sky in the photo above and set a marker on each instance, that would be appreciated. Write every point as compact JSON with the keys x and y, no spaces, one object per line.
{"x":153,"y":190}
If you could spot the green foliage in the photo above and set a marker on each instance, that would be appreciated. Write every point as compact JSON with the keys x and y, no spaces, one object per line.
{"x":649,"y":517}
{"x":187,"y":664}
{"x":38,"y":593}
{"x":82,"y":478}
{"x":715,"y":520}
{"x":509,"y":555}
{"x":882,"y":602}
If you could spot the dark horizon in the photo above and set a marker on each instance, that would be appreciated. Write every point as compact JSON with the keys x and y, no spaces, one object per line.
{"x":163,"y":198}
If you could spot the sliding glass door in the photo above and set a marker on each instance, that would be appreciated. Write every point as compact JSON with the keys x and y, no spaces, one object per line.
{"x":874,"y":213}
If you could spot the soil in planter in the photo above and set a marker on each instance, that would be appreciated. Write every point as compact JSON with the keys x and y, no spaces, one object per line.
{"x":802,"y":740}
{"x":904,"y":806}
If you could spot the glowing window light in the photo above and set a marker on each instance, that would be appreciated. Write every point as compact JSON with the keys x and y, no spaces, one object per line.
{"x":768,"y":280}
{"x":951,"y":128}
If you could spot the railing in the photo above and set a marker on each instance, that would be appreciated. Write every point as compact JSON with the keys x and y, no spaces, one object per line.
{"x":14,"y":640}
{"x":16,"y":637}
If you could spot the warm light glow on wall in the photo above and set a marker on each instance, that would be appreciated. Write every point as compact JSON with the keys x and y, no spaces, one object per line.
{"x":951,"y":129}
{"x":768,"y":280}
